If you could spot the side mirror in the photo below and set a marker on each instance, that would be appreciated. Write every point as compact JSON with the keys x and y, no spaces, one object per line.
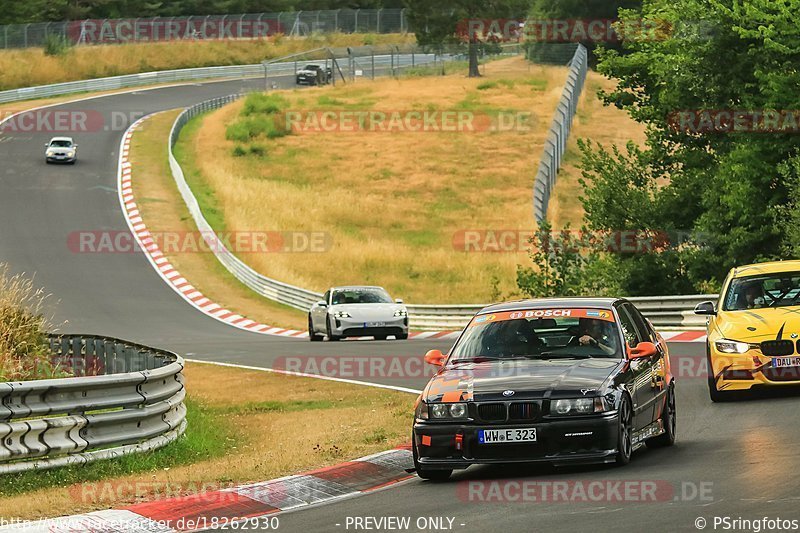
{"x":705,"y":309}
{"x":643,"y":350}
{"x":435,"y":358}
{"x":322,"y":303}
{"x":398,"y":301}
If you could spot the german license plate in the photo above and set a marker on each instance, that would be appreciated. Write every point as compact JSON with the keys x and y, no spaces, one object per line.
{"x":785,"y":362}
{"x":374,"y":324}
{"x":505,"y":436}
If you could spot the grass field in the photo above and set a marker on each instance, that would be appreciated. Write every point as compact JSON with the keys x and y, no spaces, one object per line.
{"x":164,"y":212}
{"x":348,"y":422}
{"x":391,"y":203}
{"x":85,"y":62}
{"x":606,"y":125}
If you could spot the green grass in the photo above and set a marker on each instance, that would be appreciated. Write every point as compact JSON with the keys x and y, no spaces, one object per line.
{"x":208,"y":435}
{"x":206,"y":198}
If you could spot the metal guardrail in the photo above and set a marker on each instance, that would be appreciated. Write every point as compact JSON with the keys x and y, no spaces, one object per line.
{"x":131,"y":80}
{"x":211,"y":27}
{"x":556,"y":143}
{"x":124,"y":398}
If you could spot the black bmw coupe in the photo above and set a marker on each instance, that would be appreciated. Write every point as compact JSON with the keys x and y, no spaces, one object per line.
{"x":557,"y":380}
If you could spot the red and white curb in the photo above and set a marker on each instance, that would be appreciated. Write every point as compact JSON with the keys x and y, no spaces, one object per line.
{"x":180,"y":284}
{"x":165,"y":269}
{"x":241,"y":504}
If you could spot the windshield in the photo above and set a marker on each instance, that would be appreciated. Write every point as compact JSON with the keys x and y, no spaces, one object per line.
{"x":540,"y":334}
{"x":312,"y":67}
{"x":770,"y":290}
{"x":360,"y":296}
{"x":60,"y":144}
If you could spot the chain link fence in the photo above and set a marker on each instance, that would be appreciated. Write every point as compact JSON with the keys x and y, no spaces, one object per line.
{"x":211,"y":27}
{"x":556,"y":144}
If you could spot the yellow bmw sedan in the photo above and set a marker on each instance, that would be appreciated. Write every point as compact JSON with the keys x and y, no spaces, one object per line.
{"x":754,"y":329}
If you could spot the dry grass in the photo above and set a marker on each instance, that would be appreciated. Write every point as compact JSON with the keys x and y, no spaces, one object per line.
{"x":163,"y":211}
{"x":24,"y":323}
{"x":280,"y":424}
{"x":606,"y":125}
{"x":391,"y":203}
{"x":30,"y":67}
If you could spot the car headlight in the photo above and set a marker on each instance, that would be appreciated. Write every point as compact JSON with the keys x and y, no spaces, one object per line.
{"x":448,"y":410}
{"x":729,"y":346}
{"x":341,"y":314}
{"x":422,"y":411}
{"x":50,"y":153}
{"x":400,"y":313}
{"x":580,"y":406}
{"x":70,"y":153}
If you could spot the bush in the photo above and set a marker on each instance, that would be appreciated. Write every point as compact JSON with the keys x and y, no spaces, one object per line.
{"x":258,"y":149}
{"x":567,"y":263}
{"x":24,"y":346}
{"x":264,"y":104}
{"x":55,"y":45}
{"x":239,"y":151}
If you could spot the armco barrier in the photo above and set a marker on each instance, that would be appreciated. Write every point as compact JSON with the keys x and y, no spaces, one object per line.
{"x":556,"y":143}
{"x":124,"y":398}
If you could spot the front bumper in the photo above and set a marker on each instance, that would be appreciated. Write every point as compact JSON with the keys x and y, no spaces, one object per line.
{"x":61,"y":159}
{"x":350,"y":327}
{"x":740,"y":372}
{"x":586,"y":440}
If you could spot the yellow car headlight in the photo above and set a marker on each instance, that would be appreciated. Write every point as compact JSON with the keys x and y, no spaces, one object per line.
{"x":729,"y":346}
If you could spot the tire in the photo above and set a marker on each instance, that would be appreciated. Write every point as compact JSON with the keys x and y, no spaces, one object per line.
{"x":437,"y":476}
{"x":668,"y":419}
{"x":312,"y":335}
{"x":625,"y":432}
{"x":380,"y":337}
{"x":716,"y":395}
{"x":331,"y":336}
{"x":402,"y":337}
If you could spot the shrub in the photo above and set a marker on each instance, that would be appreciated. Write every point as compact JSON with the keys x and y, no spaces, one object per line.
{"x":55,"y":45}
{"x":239,"y":151}
{"x":264,"y":103}
{"x":258,"y":149}
{"x":487,"y":85}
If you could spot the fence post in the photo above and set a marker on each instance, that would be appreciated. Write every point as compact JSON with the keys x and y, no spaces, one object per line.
{"x":380,"y":12}
{"x":355,"y":29}
{"x":403,"y":20}
{"x":336,"y":20}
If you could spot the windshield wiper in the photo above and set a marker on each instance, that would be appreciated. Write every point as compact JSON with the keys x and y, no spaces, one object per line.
{"x":551,"y":355}
{"x":480,"y":359}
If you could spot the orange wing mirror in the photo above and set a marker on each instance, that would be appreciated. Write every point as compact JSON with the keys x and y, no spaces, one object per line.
{"x":643,"y":350}
{"x":435,"y":358}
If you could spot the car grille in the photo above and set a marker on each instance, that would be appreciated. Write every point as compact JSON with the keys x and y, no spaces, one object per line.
{"x":777,"y":348}
{"x":492,"y":412}
{"x":523,"y":411}
{"x":782,"y":374}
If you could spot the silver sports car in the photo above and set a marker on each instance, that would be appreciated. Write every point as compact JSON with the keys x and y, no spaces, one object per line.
{"x":357,"y":312}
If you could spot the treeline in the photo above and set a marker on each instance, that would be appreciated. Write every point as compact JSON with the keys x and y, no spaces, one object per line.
{"x":21,"y":12}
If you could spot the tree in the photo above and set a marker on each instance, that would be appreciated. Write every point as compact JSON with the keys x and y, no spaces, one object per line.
{"x":436,"y":23}
{"x":723,"y":188}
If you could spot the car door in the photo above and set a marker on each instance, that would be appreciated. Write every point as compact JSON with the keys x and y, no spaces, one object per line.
{"x":659,"y":360}
{"x":642,"y":370}
{"x":319,"y":314}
